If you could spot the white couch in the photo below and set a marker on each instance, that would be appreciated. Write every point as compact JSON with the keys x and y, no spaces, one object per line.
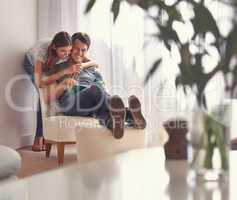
{"x":10,"y":163}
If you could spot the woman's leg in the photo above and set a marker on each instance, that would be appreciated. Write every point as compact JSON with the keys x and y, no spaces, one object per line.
{"x":39,"y":127}
{"x":38,"y":143}
{"x":29,"y":68}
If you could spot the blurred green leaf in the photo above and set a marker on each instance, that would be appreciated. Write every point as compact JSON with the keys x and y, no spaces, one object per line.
{"x":115,"y":8}
{"x":144,"y":4}
{"x":178,"y":81}
{"x":180,"y":84}
{"x":204,"y":22}
{"x":167,"y":35}
{"x":233,"y":85}
{"x":191,"y":74}
{"x":185,"y":54}
{"x":89,"y":6}
{"x":153,"y":69}
{"x":231,"y":48}
{"x":172,"y":11}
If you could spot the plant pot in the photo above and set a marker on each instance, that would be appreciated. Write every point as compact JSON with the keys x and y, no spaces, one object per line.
{"x":208,"y":146}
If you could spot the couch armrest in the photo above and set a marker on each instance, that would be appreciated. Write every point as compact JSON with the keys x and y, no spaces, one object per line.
{"x":10,"y":162}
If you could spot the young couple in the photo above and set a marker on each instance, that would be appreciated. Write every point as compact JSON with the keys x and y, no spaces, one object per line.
{"x":79,"y":89}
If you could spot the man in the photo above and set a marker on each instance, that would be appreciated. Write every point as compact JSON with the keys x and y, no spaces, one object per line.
{"x":83,"y":94}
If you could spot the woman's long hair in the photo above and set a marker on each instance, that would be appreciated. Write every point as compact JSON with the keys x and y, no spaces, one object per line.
{"x":61,"y":39}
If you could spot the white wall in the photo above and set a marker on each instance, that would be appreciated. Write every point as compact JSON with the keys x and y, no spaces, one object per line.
{"x":18,"y":27}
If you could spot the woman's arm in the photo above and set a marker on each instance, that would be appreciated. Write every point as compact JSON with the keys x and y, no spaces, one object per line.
{"x":41,"y":80}
{"x":87,"y":62}
{"x":47,"y":80}
{"x":54,"y":91}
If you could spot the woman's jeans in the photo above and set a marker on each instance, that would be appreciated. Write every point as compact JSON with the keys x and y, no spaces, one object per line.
{"x":29,"y":69}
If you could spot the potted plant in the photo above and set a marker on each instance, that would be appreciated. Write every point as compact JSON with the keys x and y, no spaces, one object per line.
{"x":192,"y":74}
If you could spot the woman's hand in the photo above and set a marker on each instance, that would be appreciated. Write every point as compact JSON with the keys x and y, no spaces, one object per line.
{"x":89,"y":63}
{"x":68,"y":83}
{"x":72,"y":69}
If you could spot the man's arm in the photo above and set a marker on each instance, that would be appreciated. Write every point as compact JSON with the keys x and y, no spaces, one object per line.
{"x":99,"y":79}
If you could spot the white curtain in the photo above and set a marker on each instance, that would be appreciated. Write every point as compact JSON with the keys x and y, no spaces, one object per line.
{"x":118,"y":48}
{"x":56,"y":15}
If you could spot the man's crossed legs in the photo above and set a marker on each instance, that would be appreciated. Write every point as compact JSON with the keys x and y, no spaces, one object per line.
{"x":110,"y":110}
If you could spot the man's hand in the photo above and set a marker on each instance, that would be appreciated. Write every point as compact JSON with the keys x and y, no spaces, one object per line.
{"x":72,"y":69}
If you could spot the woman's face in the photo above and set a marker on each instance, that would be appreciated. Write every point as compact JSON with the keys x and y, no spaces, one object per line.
{"x":63,"y":52}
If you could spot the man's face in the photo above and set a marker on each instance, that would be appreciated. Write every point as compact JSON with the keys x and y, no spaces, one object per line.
{"x":79,"y":51}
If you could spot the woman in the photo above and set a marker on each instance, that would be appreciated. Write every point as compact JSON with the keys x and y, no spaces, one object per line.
{"x":42,"y":56}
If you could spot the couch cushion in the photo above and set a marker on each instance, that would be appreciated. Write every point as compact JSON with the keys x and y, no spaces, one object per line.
{"x":10,"y":162}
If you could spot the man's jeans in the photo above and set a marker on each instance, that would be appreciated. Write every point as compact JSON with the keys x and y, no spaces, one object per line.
{"x":90,"y":102}
{"x":29,"y":69}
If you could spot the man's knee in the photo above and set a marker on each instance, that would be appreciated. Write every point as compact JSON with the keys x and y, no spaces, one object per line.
{"x":97,"y":93}
{"x":95,"y":88}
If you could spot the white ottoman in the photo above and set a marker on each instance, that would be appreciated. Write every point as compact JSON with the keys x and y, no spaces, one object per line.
{"x":10,"y":163}
{"x":96,"y":142}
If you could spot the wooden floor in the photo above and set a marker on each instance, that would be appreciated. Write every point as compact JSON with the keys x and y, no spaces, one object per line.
{"x":36,"y":162}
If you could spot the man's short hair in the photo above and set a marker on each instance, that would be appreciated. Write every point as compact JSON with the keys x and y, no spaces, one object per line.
{"x":83,"y":37}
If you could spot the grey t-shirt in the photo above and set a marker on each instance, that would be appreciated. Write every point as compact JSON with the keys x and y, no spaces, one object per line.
{"x":85,"y":78}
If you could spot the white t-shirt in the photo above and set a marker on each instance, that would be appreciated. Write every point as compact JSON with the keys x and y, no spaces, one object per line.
{"x":38,"y":52}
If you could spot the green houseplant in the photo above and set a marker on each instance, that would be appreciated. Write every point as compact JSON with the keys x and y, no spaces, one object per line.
{"x":192,"y":72}
{"x":191,"y":67}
